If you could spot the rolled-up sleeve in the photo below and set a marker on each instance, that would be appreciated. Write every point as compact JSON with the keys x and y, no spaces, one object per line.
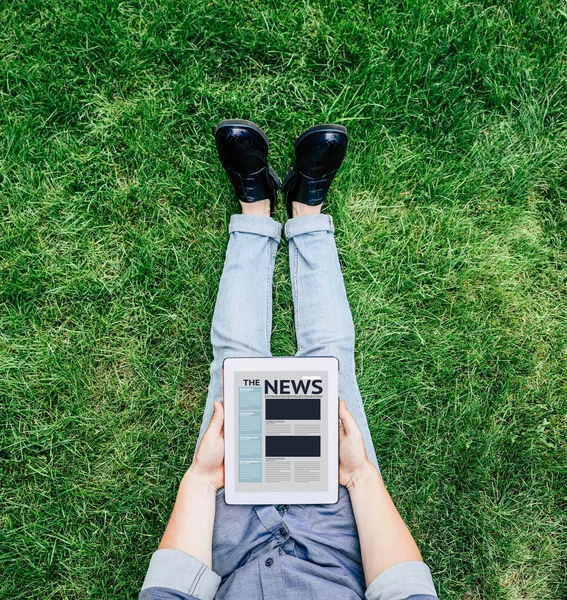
{"x":175,"y":575}
{"x":403,"y":581}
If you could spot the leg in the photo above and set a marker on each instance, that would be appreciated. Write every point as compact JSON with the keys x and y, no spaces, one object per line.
{"x":242,"y":320}
{"x":323,"y":322}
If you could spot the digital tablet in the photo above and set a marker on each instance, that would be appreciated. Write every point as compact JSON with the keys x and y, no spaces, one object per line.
{"x":281,"y":430}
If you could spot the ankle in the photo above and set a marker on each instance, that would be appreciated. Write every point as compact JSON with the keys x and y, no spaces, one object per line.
{"x":261,"y":208}
{"x":304,"y":210}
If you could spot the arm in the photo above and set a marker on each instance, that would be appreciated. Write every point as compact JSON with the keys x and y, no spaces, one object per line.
{"x":384,"y":538}
{"x":181,"y":568}
{"x":190,"y":526}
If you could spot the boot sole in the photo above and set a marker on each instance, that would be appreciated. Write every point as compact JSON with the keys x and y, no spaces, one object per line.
{"x":243,"y":123}
{"x":328,"y":128}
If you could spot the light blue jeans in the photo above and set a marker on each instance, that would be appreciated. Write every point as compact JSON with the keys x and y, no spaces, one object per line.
{"x":242,"y":320}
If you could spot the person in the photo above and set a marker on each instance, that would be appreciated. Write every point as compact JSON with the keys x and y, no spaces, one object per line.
{"x":356,"y":548}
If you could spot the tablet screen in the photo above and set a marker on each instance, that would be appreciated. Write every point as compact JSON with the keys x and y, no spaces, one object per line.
{"x":281,"y":431}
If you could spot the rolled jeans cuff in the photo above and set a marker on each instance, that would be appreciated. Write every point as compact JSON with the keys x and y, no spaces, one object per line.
{"x":265,"y":226}
{"x":308,"y":224}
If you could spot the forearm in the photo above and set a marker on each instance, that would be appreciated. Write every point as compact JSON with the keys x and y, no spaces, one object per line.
{"x":384,"y":538}
{"x":190,"y":526}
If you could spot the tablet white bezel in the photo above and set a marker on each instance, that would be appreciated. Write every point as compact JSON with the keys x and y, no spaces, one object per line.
{"x":287,"y":363}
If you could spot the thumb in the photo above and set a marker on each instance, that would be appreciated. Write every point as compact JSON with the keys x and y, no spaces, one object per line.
{"x":347,"y":419}
{"x":217,"y":420}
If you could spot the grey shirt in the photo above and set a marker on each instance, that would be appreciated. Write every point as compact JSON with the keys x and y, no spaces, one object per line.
{"x":269,"y":552}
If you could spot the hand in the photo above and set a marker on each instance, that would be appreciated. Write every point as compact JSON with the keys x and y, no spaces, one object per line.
{"x":208,"y":465}
{"x":353,"y":460}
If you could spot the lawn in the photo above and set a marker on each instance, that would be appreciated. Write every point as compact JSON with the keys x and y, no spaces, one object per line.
{"x":451,"y":215}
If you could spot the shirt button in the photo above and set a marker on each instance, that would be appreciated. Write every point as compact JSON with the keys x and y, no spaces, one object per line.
{"x":269,"y":562}
{"x":283,"y":532}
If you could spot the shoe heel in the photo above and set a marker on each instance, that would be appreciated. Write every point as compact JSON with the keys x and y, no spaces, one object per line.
{"x":275,"y":177}
{"x":287,"y":177}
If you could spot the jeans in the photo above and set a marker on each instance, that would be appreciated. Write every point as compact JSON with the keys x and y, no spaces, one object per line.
{"x":242,"y":319}
{"x":285,"y":551}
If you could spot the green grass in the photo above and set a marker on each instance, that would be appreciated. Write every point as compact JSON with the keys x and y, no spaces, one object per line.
{"x":451,"y":211}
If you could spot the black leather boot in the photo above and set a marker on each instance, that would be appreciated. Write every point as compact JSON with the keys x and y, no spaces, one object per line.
{"x":243,"y":152}
{"x":319,"y":152}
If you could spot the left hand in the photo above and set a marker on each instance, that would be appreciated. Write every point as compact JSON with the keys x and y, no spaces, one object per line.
{"x":208,"y":464}
{"x":353,"y":460}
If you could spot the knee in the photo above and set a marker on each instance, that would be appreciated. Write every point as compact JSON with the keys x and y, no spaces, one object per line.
{"x":337,"y":338}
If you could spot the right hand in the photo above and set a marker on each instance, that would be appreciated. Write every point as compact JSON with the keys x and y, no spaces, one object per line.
{"x":353,"y":460}
{"x":208,"y":464}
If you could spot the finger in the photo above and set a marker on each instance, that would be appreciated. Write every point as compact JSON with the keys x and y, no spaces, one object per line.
{"x":341,"y":430}
{"x":217,"y":420}
{"x":347,"y":419}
